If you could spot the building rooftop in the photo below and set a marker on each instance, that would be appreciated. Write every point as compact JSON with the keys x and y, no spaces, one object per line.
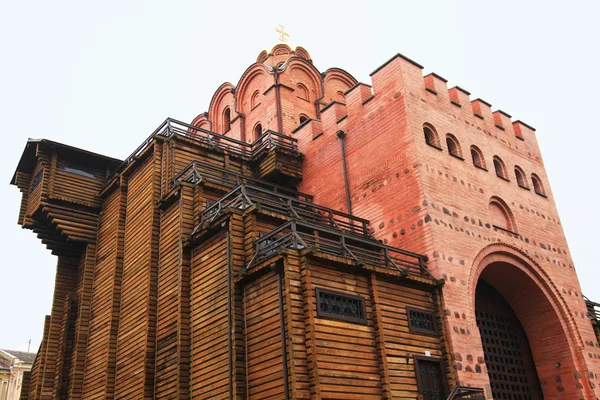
{"x":24,"y":356}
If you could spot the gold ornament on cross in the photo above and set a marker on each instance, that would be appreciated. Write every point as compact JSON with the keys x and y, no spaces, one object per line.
{"x":283,"y":35}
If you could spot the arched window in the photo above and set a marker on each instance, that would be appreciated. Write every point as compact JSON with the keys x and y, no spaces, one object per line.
{"x":257,"y":131}
{"x":520,"y":175}
{"x":303,"y":118}
{"x":500,"y":215}
{"x":537,"y":185}
{"x":453,"y":146}
{"x":431,"y":136}
{"x":254,"y":101}
{"x":226,"y":120}
{"x":477,"y":157}
{"x":500,"y":168}
{"x":303,"y":92}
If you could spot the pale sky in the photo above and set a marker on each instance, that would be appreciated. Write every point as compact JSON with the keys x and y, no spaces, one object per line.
{"x":102,"y":76}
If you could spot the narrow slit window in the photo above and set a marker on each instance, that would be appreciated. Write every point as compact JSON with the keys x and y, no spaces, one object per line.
{"x":226,"y":120}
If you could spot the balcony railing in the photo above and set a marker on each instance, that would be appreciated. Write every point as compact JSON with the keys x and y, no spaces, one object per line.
{"x":593,"y":309}
{"x":245,"y":195}
{"x":198,"y":171}
{"x":265,"y":142}
{"x":364,"y":251}
{"x":465,"y":392}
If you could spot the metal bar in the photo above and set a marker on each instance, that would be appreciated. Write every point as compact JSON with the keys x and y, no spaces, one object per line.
{"x":341,"y":135}
{"x":282,"y":337}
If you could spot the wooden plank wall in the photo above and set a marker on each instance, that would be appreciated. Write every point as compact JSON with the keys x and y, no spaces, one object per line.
{"x":237,"y":234}
{"x":399,"y":341}
{"x":172,"y":336}
{"x":65,"y":345}
{"x":35,"y":388}
{"x":136,"y":337}
{"x":65,"y":285}
{"x":166,"y":384}
{"x":263,"y":344}
{"x":82,"y":326}
{"x":25,"y":385}
{"x":344,"y":353}
{"x":38,"y":194}
{"x":209,"y":364}
{"x":106,"y":295}
{"x":296,"y":328}
{"x":74,"y":188}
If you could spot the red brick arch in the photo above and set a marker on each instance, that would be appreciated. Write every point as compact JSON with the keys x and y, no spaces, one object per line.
{"x":543,"y":312}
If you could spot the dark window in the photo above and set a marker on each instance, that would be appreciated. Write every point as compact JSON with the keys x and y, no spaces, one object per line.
{"x":500,"y":168}
{"x":537,"y":185}
{"x":76,"y":168}
{"x":37,"y":180}
{"x":421,"y":321}
{"x":431,"y":137}
{"x":226,"y":120}
{"x":453,"y":146}
{"x":303,"y":118}
{"x":341,"y":306}
{"x":257,"y":131}
{"x":520,"y":175}
{"x":477,"y":157}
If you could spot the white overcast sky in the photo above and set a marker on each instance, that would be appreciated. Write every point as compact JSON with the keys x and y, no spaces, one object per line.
{"x":102,"y":76}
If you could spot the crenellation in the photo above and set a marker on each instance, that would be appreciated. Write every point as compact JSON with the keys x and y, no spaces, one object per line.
{"x":357,"y":95}
{"x":502,"y":120}
{"x":458,"y":96}
{"x":482,"y":109}
{"x":522,"y":130}
{"x":435,"y":84}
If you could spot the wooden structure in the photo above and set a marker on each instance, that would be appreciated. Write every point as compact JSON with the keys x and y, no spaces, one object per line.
{"x":198,"y":268}
{"x":186,"y":271}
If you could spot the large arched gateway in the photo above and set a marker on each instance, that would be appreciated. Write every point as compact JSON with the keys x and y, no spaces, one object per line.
{"x":526,"y":335}
{"x":508,"y":358}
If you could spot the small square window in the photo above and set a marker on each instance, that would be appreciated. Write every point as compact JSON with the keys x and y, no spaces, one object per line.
{"x":421,"y":321}
{"x":341,"y":306}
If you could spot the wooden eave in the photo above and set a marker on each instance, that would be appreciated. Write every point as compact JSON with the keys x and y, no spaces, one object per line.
{"x":29,"y":156}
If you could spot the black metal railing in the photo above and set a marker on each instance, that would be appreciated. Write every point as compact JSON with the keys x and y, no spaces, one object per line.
{"x":363,"y":250}
{"x":245,"y":195}
{"x":268,"y":140}
{"x":198,"y":171}
{"x":466,"y":392}
{"x":593,"y":309}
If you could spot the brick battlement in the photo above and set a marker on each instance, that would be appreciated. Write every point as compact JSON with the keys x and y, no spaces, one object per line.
{"x":459,"y":97}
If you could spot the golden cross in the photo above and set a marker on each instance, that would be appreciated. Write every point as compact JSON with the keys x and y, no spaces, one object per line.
{"x":283,"y":35}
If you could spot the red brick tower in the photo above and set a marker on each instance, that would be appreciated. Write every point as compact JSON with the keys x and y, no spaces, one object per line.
{"x":437,"y":173}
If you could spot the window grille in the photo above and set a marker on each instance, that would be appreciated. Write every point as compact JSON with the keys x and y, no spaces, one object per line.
{"x":341,"y":306}
{"x":421,"y":321}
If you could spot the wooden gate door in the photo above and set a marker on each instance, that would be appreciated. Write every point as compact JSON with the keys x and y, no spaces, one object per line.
{"x":507,"y":354}
{"x":430,"y":378}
